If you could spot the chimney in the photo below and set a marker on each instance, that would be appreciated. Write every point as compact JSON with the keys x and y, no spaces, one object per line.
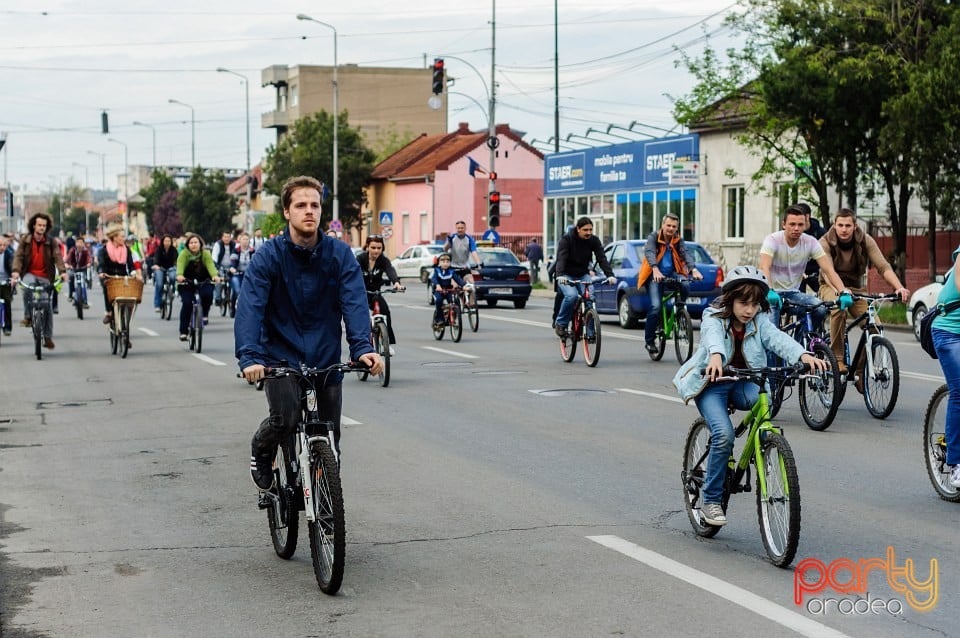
{"x":463,"y":128}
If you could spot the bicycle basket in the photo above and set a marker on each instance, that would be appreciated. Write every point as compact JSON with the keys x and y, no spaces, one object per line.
{"x":124,"y":288}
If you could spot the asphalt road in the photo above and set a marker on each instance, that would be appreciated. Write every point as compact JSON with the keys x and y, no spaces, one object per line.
{"x":491,"y":490}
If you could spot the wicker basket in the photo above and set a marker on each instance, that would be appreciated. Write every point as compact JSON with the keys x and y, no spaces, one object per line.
{"x":124,"y":288}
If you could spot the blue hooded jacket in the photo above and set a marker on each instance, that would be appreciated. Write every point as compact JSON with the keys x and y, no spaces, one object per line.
{"x":291,"y":303}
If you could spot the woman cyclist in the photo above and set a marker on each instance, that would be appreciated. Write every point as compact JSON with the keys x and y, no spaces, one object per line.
{"x":164,"y":267}
{"x":375,"y":266}
{"x":116,"y":260}
{"x":239,"y":260}
{"x":195,"y":263}
{"x":735,"y":332}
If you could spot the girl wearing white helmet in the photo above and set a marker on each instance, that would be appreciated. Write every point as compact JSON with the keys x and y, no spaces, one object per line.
{"x":736,"y":332}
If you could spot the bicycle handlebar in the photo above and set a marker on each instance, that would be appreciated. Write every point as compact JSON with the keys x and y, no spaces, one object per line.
{"x":372,"y":293}
{"x":805,"y":306}
{"x":593,"y":280}
{"x":278,"y":371}
{"x":753,"y":374}
{"x":884,"y":297}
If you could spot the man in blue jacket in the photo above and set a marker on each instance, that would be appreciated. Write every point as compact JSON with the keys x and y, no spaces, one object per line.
{"x":295,"y":293}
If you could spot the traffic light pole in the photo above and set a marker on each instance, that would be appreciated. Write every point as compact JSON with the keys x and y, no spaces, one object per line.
{"x":492,"y":134}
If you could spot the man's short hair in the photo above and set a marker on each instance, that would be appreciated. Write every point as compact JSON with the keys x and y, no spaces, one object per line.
{"x":795,"y":209}
{"x":300,"y":181}
{"x":846,"y":212}
{"x":672,"y":216}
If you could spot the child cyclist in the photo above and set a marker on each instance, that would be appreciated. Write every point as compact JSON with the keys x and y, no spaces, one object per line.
{"x":735,"y":332}
{"x":443,"y":279}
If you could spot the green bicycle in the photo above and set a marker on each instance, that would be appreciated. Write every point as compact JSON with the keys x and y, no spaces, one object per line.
{"x":675,"y":322}
{"x":765,"y":448}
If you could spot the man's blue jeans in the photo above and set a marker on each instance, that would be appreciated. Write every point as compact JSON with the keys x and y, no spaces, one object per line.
{"x":655,"y":291}
{"x":712,"y":403}
{"x":795,"y":297}
{"x":570,"y":293}
{"x":947,"y":345}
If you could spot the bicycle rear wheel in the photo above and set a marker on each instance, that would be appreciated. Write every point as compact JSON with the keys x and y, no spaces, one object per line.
{"x":591,"y":337}
{"x":283,"y":515}
{"x":820,"y":397}
{"x":456,"y":322}
{"x":660,"y":341}
{"x":694,"y":474}
{"x":935,"y":446}
{"x":328,"y":532}
{"x":778,"y":506}
{"x":473,"y":315}
{"x":881,"y":388}
{"x":381,"y":343}
{"x":683,"y":335}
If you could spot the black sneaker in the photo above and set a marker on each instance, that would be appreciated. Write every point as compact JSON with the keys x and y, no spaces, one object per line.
{"x":651,"y":348}
{"x":561,"y":331}
{"x":261,"y":470}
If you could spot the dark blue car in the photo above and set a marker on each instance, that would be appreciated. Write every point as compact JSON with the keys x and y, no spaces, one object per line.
{"x":630,"y":305}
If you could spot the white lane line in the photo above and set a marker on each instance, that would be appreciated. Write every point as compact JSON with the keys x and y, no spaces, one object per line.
{"x":923,"y":377}
{"x":654,"y":395}
{"x":345,"y":420}
{"x":737,"y":595}
{"x":149,"y":332}
{"x":209,"y":360}
{"x":451,"y":352}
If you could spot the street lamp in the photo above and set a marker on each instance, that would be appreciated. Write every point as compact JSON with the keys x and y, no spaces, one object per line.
{"x":569,"y":135}
{"x":607,"y":133}
{"x":126,"y":186}
{"x":103,"y":174}
{"x":336,"y":92}
{"x":246,"y":89}
{"x":193,"y":138}
{"x":153,"y":130}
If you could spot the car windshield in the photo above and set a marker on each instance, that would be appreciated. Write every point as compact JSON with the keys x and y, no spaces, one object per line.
{"x":497,"y":257}
{"x":697,"y":252}
{"x":433,"y":249}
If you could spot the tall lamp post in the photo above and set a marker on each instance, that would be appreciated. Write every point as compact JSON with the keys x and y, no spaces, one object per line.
{"x":193,"y":138}
{"x":336,"y":92}
{"x":86,"y":185}
{"x":126,"y":186}
{"x":153,"y":130}
{"x":246,"y":89}
{"x":103,"y":175}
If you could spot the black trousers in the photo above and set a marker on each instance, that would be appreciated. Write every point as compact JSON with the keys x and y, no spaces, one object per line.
{"x":283,"y":403}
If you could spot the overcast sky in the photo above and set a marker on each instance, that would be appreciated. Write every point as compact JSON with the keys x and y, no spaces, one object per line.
{"x":63,"y":62}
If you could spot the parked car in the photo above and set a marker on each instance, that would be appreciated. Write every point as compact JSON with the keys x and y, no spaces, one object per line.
{"x":417,"y":262}
{"x":922,"y":300}
{"x":630,"y":305}
{"x":502,"y":277}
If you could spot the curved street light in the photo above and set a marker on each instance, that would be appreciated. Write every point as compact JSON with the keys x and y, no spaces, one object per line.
{"x":246,"y":89}
{"x":153,"y":130}
{"x":193,"y":146}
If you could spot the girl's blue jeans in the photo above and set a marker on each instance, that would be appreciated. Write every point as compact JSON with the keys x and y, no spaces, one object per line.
{"x":712,"y":403}
{"x":947,"y":345}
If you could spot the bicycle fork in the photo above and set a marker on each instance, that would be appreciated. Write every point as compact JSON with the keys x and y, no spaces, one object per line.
{"x":307,"y":438}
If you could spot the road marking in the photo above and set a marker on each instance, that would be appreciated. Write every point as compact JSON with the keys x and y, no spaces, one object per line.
{"x":451,"y":352}
{"x":149,"y":332}
{"x":654,"y":395}
{"x":737,"y":595}
{"x":209,"y":360}
{"x":922,"y":377}
{"x":345,"y":420}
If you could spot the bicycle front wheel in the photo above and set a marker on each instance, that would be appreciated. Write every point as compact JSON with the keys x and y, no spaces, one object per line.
{"x":38,"y":321}
{"x":198,"y":326}
{"x":591,"y":337}
{"x":456,"y":323}
{"x":683,"y":335}
{"x":778,"y":500}
{"x":935,"y":445}
{"x":694,"y":475}
{"x":78,"y":299}
{"x":283,"y":515}
{"x":328,"y":532}
{"x":820,"y":396}
{"x":381,"y":343}
{"x":880,"y":388}
{"x":126,"y":312}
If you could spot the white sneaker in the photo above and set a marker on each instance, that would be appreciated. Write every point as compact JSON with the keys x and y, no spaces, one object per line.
{"x":392,"y":351}
{"x":955,"y":476}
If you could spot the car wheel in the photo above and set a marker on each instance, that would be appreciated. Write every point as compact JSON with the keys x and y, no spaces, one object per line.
{"x":918,"y":311}
{"x":519,"y":304}
{"x":628,"y":319}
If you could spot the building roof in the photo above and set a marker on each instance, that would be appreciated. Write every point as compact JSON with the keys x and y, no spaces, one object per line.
{"x":727,"y":113}
{"x":429,"y":153}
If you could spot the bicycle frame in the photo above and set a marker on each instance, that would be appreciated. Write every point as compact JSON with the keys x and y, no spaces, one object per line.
{"x":79,"y":287}
{"x":871,"y":328}
{"x":668,"y":312}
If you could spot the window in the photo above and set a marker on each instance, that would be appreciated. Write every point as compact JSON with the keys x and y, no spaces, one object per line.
{"x":424,"y":228}
{"x":615,"y":256}
{"x":294,"y":95}
{"x":734,"y":211}
{"x":405,"y":227}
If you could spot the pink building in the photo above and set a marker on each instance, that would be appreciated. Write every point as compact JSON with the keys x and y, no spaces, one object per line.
{"x":425,"y":187}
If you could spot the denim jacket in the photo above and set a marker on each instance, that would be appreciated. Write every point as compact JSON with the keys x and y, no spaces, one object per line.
{"x":760,"y":335}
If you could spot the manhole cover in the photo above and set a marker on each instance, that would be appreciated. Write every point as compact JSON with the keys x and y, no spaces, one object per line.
{"x":564,"y":392}
{"x":494,"y":372}
{"x":447,"y":364}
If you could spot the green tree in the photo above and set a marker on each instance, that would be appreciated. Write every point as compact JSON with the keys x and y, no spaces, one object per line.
{"x":307,"y":149}
{"x":160,"y":185}
{"x":205,"y":206}
{"x":166,"y":216}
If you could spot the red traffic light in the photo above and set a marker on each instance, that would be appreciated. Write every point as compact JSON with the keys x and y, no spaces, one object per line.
{"x":495,"y":197}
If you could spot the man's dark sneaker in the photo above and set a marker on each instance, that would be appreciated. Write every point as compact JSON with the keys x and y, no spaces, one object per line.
{"x":651,"y":348}
{"x":26,"y":323}
{"x":6,"y":333}
{"x":261,"y":470}
{"x":48,"y":343}
{"x":561,"y":331}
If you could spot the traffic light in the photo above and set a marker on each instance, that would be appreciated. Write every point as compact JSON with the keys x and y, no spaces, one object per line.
{"x":104,"y":124}
{"x":438,"y":76}
{"x":493,"y":210}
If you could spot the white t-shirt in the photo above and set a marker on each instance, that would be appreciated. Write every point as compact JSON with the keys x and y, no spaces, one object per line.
{"x":789,"y":263}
